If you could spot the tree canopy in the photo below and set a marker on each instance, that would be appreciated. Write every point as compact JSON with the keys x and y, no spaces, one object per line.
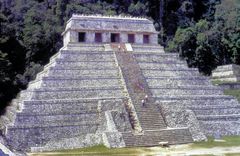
{"x":211,"y":42}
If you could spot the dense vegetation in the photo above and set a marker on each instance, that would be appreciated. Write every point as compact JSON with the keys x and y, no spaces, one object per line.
{"x":30,"y":32}
{"x":211,"y":42}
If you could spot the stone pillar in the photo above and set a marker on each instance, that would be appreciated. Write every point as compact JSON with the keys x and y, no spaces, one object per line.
{"x":73,"y":36}
{"x":139,"y":38}
{"x":70,"y":36}
{"x":123,"y":37}
{"x":153,"y":39}
{"x":66,"y":38}
{"x":106,"y":37}
{"x":90,"y":37}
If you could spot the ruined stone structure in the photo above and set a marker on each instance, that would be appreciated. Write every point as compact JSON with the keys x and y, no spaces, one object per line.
{"x":227,"y":73}
{"x":112,"y":84}
{"x":227,"y":76}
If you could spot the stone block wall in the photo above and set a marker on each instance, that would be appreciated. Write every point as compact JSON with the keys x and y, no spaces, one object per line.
{"x":227,"y":73}
{"x":72,"y":36}
{"x":108,"y":25}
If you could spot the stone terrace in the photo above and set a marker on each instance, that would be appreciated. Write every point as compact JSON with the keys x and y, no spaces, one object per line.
{"x":173,"y":83}
{"x":68,"y":98}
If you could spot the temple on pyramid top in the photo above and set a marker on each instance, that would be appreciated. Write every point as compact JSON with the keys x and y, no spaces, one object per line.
{"x":109,"y":29}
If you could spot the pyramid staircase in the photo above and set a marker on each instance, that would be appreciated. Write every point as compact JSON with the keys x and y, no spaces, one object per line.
{"x":82,"y":82}
{"x":173,"y":83}
{"x":153,"y":128}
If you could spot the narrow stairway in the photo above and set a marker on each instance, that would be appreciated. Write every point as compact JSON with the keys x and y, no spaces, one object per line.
{"x":154,"y":129}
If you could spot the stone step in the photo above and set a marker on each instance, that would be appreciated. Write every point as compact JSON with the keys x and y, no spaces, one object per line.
{"x":229,"y":79}
{"x":227,"y":117}
{"x":227,"y":74}
{"x":80,"y":83}
{"x":87,"y":101}
{"x":65,"y":51}
{"x":66,"y":61}
{"x":167,"y":68}
{"x":147,"y":46}
{"x":84,"y":47}
{"x":85,"y":56}
{"x":188,"y":87}
{"x":72,"y":93}
{"x":162,"y":61}
{"x":24,"y":120}
{"x":80,"y":77}
{"x":170,"y":73}
{"x":146,"y":117}
{"x":60,"y":67}
{"x":156,"y":58}
{"x":80,"y":65}
{"x":148,"y":108}
{"x":153,"y":138}
{"x":220,"y":128}
{"x":147,"y":125}
{"x":24,"y":138}
{"x":149,"y":117}
{"x":172,"y":70}
{"x":161,"y":66}
{"x":210,"y":103}
{"x":216,"y":111}
{"x":156,"y":55}
{"x":44,"y":107}
{"x":194,"y":97}
{"x":83,"y":72}
{"x":186,"y":91}
{"x":217,"y":105}
{"x":148,"y":50}
{"x":230,"y":67}
{"x":156,"y":120}
{"x":177,"y":81}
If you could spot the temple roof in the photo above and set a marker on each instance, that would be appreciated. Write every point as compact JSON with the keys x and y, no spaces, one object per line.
{"x":110,"y":23}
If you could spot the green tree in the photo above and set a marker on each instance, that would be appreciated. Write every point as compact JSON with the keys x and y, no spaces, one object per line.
{"x":138,"y":9}
{"x":208,"y":45}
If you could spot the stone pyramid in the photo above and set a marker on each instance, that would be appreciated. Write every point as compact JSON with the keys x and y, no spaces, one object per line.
{"x":119,"y":89}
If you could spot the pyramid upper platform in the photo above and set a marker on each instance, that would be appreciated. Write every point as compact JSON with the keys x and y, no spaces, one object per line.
{"x":106,"y":29}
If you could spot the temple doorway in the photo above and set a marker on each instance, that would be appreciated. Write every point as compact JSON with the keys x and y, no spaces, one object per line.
{"x":146,"y":39}
{"x":131,"y":38}
{"x":115,"y":38}
{"x":98,"y":37}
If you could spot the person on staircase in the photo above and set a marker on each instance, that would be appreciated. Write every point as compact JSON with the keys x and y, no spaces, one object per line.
{"x":145,"y":100}
{"x":143,"y":103}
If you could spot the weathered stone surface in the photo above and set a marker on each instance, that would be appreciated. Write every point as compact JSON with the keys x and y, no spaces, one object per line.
{"x":81,"y":141}
{"x":113,"y":140}
{"x":176,"y":116}
{"x":107,"y":26}
{"x":228,"y":73}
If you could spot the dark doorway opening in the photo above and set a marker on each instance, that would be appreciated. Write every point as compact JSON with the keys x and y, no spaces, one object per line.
{"x":115,"y":38}
{"x":146,"y":39}
{"x":81,"y":36}
{"x":98,"y":37}
{"x":131,"y":38}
